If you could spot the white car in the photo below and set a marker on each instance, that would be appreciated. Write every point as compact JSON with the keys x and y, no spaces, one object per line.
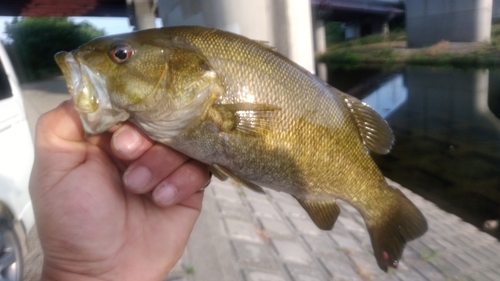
{"x":16,"y":160}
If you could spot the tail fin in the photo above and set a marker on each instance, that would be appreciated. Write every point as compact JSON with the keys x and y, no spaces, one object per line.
{"x":390,"y":234}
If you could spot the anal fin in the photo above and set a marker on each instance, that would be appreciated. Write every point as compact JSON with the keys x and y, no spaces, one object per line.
{"x":225,"y":173}
{"x":323,"y":213}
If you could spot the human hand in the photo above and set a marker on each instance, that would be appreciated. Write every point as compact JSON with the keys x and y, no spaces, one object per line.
{"x":116,"y":206}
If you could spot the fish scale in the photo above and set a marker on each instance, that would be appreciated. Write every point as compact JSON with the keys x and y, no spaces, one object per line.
{"x":253,"y":116}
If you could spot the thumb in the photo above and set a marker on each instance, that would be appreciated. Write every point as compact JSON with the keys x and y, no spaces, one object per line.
{"x":59,"y":141}
{"x":62,"y":123}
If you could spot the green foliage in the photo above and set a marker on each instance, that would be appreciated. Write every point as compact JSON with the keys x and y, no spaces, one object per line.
{"x":35,"y":41}
{"x":334,"y":32}
{"x":475,"y":59}
{"x":393,"y":36}
{"x":190,"y":270}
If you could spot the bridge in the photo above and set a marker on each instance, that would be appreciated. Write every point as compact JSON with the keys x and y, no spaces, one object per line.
{"x":288,"y":24}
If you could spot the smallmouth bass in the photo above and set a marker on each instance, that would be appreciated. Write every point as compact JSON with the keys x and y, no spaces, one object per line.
{"x":251,"y":114}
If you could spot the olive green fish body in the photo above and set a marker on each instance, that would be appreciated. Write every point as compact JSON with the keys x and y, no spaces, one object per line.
{"x":253,"y":116}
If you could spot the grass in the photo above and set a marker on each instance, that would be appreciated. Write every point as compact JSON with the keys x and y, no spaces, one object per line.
{"x":390,"y":49}
{"x":190,"y":270}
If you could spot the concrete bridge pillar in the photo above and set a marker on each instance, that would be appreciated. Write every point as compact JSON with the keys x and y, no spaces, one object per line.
{"x":285,"y":24}
{"x":430,"y":21}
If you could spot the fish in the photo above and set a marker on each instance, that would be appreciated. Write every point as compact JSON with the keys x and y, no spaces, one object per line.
{"x":253,"y":116}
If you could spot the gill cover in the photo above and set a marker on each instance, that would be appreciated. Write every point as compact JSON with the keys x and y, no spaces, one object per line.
{"x":88,"y":90}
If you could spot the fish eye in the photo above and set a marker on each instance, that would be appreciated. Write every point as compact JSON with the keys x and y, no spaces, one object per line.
{"x":121,"y":52}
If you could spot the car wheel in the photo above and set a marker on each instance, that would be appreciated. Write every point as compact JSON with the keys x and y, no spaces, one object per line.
{"x":11,"y":257}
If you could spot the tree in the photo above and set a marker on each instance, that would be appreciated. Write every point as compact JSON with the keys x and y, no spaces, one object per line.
{"x":35,"y":41}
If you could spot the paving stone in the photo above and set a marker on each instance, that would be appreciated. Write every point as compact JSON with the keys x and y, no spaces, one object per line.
{"x":346,"y":208}
{"x":251,"y":195}
{"x":495,"y":268}
{"x":457,"y":261}
{"x":339,"y":229}
{"x":470,"y":259}
{"x":380,"y":275}
{"x":409,"y":256}
{"x":281,"y":196}
{"x":250,"y":275}
{"x":405,"y":273}
{"x":304,"y":273}
{"x":445,"y":266}
{"x":350,"y":224}
{"x":292,"y":210}
{"x":478,"y":254}
{"x":428,"y":270}
{"x":233,"y":210}
{"x":445,"y":243}
{"x":340,"y":270}
{"x":291,"y":251}
{"x":487,"y":252}
{"x":458,"y":241}
{"x":419,"y":247}
{"x":305,"y":226}
{"x":320,"y":244}
{"x":364,"y":263}
{"x":275,"y":227}
{"x":254,"y":254}
{"x":264,"y":209}
{"x":238,"y":229}
{"x":363,"y":239}
{"x":492,"y":275}
{"x":347,"y":243}
{"x":479,"y":276}
{"x":228,"y":193}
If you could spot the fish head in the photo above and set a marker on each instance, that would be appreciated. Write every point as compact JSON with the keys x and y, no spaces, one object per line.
{"x":112,"y":77}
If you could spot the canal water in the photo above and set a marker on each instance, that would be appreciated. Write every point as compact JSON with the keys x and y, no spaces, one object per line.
{"x":447,"y":128}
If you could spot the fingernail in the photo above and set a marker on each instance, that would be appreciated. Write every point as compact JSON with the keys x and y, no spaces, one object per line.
{"x":165,"y":193}
{"x":127,"y":141}
{"x":138,"y":178}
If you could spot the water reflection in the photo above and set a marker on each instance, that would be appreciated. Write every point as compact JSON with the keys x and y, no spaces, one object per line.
{"x":447,"y":137}
{"x":387,"y":98}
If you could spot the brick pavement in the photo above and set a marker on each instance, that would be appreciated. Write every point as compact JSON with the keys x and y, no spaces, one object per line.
{"x":243,"y":235}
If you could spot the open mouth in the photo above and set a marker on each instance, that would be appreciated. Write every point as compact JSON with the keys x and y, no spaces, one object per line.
{"x":88,"y":90}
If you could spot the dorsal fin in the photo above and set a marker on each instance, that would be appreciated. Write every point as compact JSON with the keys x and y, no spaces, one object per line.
{"x":374,"y":131}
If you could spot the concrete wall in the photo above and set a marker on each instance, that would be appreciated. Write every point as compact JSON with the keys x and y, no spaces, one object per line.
{"x":496,"y":8}
{"x":430,"y":21}
{"x":285,"y":24}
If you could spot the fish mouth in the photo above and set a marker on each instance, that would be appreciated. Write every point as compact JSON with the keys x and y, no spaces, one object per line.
{"x":88,"y":91}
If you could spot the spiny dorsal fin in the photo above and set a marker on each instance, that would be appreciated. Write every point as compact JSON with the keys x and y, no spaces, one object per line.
{"x":323,"y":213}
{"x":226,"y":173}
{"x":248,"y":118}
{"x":375,"y":132}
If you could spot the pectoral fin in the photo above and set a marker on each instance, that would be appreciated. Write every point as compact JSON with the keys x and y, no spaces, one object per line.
{"x":223,"y":173}
{"x":374,"y":131}
{"x":248,"y":118}
{"x":218,"y":173}
{"x":323,"y":213}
